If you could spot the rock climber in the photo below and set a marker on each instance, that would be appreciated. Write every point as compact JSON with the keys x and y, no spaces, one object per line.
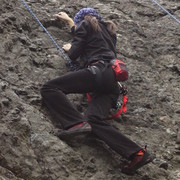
{"x":94,"y":41}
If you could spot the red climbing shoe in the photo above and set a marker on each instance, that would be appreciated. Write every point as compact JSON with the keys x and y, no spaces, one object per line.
{"x":140,"y":159}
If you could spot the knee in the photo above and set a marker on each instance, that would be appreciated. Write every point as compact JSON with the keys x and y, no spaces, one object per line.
{"x":93,"y":120}
{"x":45,"y":88}
{"x":42,"y":89}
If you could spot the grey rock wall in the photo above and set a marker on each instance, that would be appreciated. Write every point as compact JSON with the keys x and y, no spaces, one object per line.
{"x":149,"y":43}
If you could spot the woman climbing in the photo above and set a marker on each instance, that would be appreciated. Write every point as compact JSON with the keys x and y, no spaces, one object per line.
{"x":94,"y":41}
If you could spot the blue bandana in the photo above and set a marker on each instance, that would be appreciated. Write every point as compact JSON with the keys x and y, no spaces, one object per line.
{"x":83,"y":12}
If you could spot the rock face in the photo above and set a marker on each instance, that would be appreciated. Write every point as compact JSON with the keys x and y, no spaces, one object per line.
{"x":149,"y":43}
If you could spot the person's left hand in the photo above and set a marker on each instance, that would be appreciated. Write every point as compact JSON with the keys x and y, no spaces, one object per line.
{"x":67,"y":47}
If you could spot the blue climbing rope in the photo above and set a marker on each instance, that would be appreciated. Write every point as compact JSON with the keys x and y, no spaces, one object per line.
{"x":69,"y":63}
{"x":172,"y":16}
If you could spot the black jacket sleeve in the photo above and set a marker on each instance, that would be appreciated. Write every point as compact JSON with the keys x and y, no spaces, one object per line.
{"x":79,"y":40}
{"x":73,"y":30}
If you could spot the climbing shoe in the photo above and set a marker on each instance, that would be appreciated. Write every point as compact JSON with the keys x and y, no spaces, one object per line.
{"x":140,"y":159}
{"x":79,"y":129}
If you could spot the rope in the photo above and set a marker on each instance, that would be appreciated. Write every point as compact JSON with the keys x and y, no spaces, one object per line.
{"x":172,"y":16}
{"x":61,"y":51}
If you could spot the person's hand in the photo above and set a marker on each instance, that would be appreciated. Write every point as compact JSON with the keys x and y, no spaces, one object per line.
{"x":66,"y":47}
{"x":65,"y":17}
{"x":62,"y":16}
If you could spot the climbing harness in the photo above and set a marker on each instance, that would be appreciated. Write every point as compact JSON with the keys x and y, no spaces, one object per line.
{"x":121,"y":72}
{"x":172,"y":16}
{"x":120,"y":108}
{"x":70,"y":65}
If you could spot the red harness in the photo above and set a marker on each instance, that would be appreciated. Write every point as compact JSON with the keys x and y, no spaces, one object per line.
{"x":122,"y":109}
{"x":119,"y":112}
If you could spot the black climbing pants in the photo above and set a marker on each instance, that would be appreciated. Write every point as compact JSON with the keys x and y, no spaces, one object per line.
{"x":105,"y":91}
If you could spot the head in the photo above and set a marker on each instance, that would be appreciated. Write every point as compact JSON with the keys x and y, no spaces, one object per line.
{"x":93,"y":17}
{"x":84,"y":12}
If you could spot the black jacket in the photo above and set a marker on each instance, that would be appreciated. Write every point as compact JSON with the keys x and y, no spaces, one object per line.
{"x":92,"y":46}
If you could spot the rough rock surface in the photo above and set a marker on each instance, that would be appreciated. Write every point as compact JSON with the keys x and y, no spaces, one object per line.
{"x":148,"y":41}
